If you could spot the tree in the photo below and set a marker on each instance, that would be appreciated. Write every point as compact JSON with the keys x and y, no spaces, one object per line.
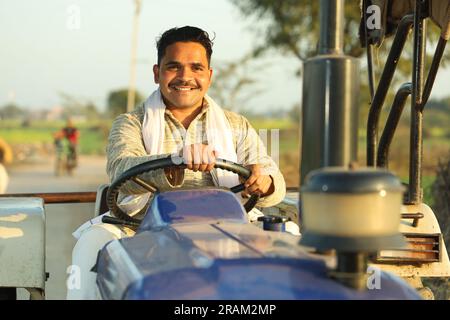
{"x":78,"y":106}
{"x":294,"y":113}
{"x":117,"y":101}
{"x":12,"y":111}
{"x":292,"y":27}
{"x":91,"y":112}
{"x":231,"y":80}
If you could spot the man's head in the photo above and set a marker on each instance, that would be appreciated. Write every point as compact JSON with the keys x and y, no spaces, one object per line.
{"x":184,"y":34}
{"x":183,"y":71}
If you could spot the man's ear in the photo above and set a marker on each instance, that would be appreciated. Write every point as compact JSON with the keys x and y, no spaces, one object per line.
{"x":210,"y":74}
{"x":156,"y":73}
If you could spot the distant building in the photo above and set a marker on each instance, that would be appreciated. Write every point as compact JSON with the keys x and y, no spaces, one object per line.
{"x":56,"y":113}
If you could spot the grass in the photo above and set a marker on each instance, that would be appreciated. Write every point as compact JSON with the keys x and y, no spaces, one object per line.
{"x":28,"y":136}
{"x":427,"y":183}
{"x":93,"y":136}
{"x":263,"y":123}
{"x":92,"y":142}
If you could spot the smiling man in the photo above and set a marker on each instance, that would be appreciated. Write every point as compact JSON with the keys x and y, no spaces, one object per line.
{"x":178,"y":118}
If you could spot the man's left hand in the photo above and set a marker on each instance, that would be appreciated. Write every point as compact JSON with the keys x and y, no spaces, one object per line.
{"x":258,"y":183}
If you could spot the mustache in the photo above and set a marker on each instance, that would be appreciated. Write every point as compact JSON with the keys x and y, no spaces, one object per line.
{"x":183,"y":84}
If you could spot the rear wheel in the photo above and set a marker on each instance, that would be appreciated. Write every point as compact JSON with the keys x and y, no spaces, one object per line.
{"x":71,"y":161}
{"x":59,"y":167}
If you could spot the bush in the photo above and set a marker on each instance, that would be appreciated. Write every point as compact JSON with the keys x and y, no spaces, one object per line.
{"x":441,"y":205}
{"x":441,"y":195}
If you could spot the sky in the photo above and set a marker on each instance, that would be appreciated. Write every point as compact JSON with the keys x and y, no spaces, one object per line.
{"x":46,"y":50}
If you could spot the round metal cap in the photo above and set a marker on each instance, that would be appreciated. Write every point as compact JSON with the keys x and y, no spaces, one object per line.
{"x":344,"y":180}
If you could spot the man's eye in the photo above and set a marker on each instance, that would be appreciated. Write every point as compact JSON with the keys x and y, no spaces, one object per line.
{"x":172,"y":67}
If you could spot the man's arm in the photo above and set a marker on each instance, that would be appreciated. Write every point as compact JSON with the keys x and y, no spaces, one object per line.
{"x":126,"y":149}
{"x":251,"y":151}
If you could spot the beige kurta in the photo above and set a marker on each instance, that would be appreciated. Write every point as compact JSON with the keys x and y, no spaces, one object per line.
{"x":126,"y":149}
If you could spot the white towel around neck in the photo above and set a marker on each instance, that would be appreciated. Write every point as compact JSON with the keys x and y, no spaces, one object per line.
{"x":219,"y":136}
{"x":218,"y":133}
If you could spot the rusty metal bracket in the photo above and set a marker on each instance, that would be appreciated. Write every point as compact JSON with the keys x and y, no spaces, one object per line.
{"x":415,"y":216}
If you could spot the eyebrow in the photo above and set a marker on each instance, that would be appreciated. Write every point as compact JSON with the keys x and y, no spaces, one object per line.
{"x":177,"y":63}
{"x":172,"y":62}
{"x":198,"y":64}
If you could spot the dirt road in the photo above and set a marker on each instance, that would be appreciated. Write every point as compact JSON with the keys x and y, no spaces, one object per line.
{"x":61,"y":220}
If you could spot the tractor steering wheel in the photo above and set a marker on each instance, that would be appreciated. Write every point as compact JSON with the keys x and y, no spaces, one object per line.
{"x":133,"y":173}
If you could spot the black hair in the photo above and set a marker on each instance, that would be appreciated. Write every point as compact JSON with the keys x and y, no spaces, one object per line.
{"x":184,"y":34}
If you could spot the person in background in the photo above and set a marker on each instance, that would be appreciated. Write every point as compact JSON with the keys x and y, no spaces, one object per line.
{"x":60,"y":156}
{"x":72,"y":134}
{"x":5,"y":159}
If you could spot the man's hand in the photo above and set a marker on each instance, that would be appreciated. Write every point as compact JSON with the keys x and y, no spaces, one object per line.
{"x":197,"y":157}
{"x":258,"y":183}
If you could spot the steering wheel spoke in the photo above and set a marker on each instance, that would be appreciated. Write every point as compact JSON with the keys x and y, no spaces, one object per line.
{"x":144,"y":184}
{"x":238,"y":188}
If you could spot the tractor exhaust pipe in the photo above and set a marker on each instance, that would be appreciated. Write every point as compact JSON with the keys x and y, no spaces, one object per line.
{"x":329,"y":121}
{"x":331,"y":39}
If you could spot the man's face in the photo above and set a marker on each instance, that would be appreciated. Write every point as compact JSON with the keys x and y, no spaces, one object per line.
{"x":183,"y":75}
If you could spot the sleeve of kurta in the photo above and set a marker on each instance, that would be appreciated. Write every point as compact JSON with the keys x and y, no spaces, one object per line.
{"x":251,"y":150}
{"x":126,"y":149}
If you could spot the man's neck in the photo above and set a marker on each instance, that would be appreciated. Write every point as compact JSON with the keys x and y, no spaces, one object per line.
{"x":185,"y":115}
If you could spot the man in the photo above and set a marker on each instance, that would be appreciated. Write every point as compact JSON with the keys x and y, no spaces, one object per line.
{"x":4,"y":178}
{"x":66,"y":145}
{"x":5,"y":159}
{"x":179,"y":118}
{"x":72,"y":135}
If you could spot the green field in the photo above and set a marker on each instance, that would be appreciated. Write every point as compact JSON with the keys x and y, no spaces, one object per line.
{"x":93,"y":136}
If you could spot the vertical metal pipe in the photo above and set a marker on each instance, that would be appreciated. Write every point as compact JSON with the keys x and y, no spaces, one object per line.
{"x":329,"y":120}
{"x":331,"y":39}
{"x":391,"y":123}
{"x":415,"y":157}
{"x":383,"y":86}
{"x":351,"y":269}
{"x":433,"y":71}
{"x":369,"y":54}
{"x":370,"y":71}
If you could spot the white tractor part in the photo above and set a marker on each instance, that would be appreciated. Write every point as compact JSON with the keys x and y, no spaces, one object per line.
{"x":425,"y":255}
{"x":429,"y":245}
{"x":22,"y":245}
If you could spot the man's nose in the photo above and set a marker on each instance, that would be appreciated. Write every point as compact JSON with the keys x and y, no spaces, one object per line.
{"x":184,"y":73}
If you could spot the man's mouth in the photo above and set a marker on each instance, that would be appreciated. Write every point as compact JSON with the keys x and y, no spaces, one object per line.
{"x":182,"y":88}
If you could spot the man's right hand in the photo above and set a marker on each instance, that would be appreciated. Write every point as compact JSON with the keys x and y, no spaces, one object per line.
{"x":196,"y":157}
{"x":199,"y":157}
